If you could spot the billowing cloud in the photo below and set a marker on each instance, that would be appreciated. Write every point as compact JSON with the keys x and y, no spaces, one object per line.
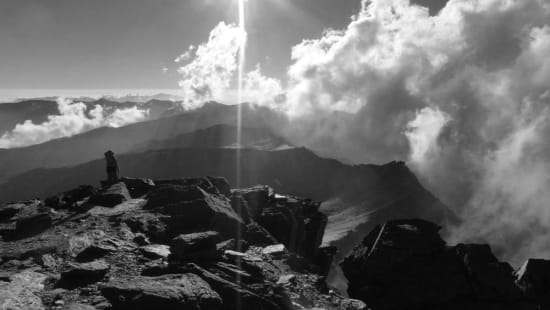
{"x":212,"y":65}
{"x":73,"y":119}
{"x":463,"y":96}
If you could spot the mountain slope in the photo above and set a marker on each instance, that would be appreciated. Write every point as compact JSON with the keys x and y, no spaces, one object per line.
{"x":90,"y":145}
{"x":223,"y":136}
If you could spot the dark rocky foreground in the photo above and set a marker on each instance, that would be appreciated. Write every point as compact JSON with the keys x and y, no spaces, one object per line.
{"x":167,"y":244}
{"x":196,"y":243}
{"x":404,"y":264}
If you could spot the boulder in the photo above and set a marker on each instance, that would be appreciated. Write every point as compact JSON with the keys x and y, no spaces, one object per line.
{"x":138,"y":187}
{"x":33,"y":224}
{"x":297,"y":223}
{"x":274,"y":250}
{"x":83,"y":274}
{"x":141,"y":239}
{"x":95,"y":251}
{"x":111,"y":196}
{"x":405,"y":264}
{"x":236,"y":296}
{"x":533,"y":277}
{"x":490,"y":279}
{"x":153,"y":226}
{"x":155,"y":251}
{"x":232,"y":244}
{"x":257,"y":198}
{"x":192,"y":209}
{"x":196,"y":246}
{"x":69,"y":198}
{"x":185,"y":291}
{"x":10,"y":210}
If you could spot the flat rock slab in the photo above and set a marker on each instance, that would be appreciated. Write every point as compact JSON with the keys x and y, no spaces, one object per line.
{"x":122,"y":208}
{"x":276,"y":249}
{"x":85,"y":273}
{"x":155,"y":251}
{"x":195,"y":246}
{"x":181,"y":292}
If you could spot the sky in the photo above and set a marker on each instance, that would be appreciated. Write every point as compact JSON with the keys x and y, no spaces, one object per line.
{"x":132,"y":44}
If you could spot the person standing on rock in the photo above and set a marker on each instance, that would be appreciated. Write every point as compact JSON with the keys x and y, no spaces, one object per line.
{"x":112,"y":167}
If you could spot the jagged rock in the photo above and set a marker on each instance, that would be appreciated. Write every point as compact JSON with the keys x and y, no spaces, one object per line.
{"x":258,"y":235}
{"x":222,"y":185}
{"x":111,"y":196}
{"x":138,"y":187}
{"x":141,"y":239}
{"x":69,"y":199}
{"x":286,"y":279}
{"x":81,"y":274}
{"x":232,"y":244}
{"x":490,"y":279}
{"x":324,"y":259}
{"x":238,"y":297}
{"x":257,"y":198}
{"x":47,"y":261}
{"x":33,"y":224}
{"x":154,"y":226}
{"x":534,"y":278}
{"x":95,"y":251}
{"x":296,"y":223}
{"x":315,"y":226}
{"x":22,"y":292}
{"x":155,"y":251}
{"x":275,"y":250}
{"x":204,"y":183}
{"x":240,"y":206}
{"x":192,"y":209}
{"x":404,"y":264}
{"x":186,"y":291}
{"x":9,"y":210}
{"x":197,"y":246}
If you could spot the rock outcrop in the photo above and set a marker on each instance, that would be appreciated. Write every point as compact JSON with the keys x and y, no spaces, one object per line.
{"x":404,"y":264}
{"x":165,"y":244}
{"x":111,"y":196}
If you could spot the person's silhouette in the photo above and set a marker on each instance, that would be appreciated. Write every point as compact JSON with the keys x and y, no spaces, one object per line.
{"x":112,"y":167}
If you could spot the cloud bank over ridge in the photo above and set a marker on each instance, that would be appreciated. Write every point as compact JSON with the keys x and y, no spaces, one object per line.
{"x":72,"y":119}
{"x":463,"y":96}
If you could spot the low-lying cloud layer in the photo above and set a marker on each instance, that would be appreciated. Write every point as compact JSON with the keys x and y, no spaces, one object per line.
{"x":73,"y":119}
{"x":463,"y":96}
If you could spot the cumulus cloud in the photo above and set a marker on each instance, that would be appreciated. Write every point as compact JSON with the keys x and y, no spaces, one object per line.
{"x":209,"y":68}
{"x":73,"y":119}
{"x":463,"y":96}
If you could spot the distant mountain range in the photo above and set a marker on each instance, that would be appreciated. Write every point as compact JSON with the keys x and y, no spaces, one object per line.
{"x":91,"y":145}
{"x":204,"y":142}
{"x":38,"y":110}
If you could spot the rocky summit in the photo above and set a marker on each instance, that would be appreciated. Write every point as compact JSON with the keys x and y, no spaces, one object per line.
{"x":192,"y":243}
{"x":196,"y":243}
